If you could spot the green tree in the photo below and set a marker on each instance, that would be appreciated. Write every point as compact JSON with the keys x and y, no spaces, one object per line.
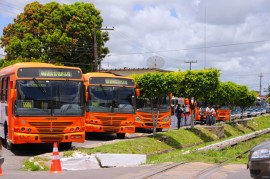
{"x":56,"y":33}
{"x":154,"y":86}
{"x":267,"y":90}
{"x":198,"y":84}
{"x":225,"y":94}
{"x":245,"y":98}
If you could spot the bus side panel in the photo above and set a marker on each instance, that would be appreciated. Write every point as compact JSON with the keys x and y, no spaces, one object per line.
{"x":145,"y":120}
{"x":223,"y":115}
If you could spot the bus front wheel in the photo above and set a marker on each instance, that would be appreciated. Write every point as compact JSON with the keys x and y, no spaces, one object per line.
{"x":121,"y":135}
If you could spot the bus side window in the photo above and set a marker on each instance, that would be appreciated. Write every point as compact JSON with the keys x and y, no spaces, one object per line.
{"x":1,"y":87}
{"x":6,"y":90}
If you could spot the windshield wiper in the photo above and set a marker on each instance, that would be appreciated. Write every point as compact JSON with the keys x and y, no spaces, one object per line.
{"x":39,"y":85}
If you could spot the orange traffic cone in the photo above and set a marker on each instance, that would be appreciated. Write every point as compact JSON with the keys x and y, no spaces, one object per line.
{"x":1,"y":172}
{"x":56,"y":164}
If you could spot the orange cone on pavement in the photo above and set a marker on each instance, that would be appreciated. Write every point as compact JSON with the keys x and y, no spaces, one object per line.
{"x":1,"y":172}
{"x":56,"y":164}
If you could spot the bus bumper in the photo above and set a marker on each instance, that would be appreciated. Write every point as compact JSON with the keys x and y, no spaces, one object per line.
{"x":22,"y":138}
{"x":162,"y":125}
{"x":111,"y":129}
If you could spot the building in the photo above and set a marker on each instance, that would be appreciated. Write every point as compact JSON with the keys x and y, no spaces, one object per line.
{"x":129,"y":71}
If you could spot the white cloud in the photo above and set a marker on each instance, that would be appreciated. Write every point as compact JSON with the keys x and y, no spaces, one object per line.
{"x":179,"y":30}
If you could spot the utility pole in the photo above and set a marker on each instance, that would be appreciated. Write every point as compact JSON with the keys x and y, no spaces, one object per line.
{"x":95,"y":47}
{"x":190,"y":63}
{"x":261,"y":83}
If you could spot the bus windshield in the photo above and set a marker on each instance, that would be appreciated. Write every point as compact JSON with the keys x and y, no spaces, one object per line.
{"x":144,"y":105}
{"x":49,"y":98}
{"x":110,"y":99}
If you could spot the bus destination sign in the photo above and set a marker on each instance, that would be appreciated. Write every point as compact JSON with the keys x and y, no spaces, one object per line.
{"x":52,"y":73}
{"x":112,"y":81}
{"x":49,"y":73}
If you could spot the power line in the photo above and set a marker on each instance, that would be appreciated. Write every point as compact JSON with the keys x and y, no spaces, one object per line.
{"x":198,"y":48}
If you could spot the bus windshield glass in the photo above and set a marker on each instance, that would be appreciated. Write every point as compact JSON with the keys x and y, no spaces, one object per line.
{"x":110,"y":99}
{"x":144,"y":105}
{"x":49,"y":98}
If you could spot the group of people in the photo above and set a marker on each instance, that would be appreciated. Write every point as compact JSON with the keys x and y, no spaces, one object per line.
{"x":180,"y":112}
{"x":211,"y":115}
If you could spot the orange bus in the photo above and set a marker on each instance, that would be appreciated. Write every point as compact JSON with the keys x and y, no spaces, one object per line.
{"x":144,"y":113}
{"x":110,"y":105}
{"x":41,"y":103}
{"x":224,"y":113}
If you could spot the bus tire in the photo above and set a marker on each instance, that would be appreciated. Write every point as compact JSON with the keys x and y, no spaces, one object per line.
{"x":9,"y":145}
{"x":121,"y":135}
{"x":159,"y":129}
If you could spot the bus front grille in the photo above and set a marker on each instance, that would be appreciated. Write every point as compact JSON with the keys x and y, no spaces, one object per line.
{"x":50,"y":123}
{"x":111,"y":129}
{"x":51,"y":130}
{"x":111,"y":121}
{"x":51,"y":138}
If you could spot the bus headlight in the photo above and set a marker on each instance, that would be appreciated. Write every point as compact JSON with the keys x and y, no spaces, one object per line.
{"x":166,"y":119}
{"x":261,"y":154}
{"x":138,"y":119}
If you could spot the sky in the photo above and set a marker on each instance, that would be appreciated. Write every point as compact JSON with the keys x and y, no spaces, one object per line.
{"x":230,"y":35}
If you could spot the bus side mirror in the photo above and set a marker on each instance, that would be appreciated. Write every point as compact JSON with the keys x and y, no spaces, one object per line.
{"x":138,"y":92}
{"x":13,"y":94}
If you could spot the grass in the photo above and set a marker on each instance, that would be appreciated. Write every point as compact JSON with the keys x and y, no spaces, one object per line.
{"x":232,"y":153}
{"x":169,"y":146}
{"x":36,"y":164}
{"x":178,"y":139}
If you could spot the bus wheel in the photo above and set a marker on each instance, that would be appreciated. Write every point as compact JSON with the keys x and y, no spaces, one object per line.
{"x":9,"y":145}
{"x":121,"y":135}
{"x":65,"y":145}
{"x":159,"y":129}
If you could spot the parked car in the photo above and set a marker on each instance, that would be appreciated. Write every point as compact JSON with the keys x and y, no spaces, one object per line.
{"x":233,"y":116}
{"x":258,"y":111}
{"x":244,"y":114}
{"x":251,"y":112}
{"x":267,"y":109}
{"x":259,"y":160}
{"x":263,"y":110}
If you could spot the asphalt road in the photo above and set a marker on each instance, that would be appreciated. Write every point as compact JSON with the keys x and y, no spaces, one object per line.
{"x":185,"y":171}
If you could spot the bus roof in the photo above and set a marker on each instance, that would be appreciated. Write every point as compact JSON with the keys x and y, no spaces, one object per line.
{"x":13,"y":68}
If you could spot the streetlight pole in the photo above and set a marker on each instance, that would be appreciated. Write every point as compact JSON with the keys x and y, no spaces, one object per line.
{"x":95,"y":47}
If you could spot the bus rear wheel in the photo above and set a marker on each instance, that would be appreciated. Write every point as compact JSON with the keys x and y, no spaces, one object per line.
{"x":9,"y":145}
{"x":121,"y":135}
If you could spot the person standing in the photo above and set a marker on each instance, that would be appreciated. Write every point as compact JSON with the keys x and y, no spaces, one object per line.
{"x":208,"y":115}
{"x":178,"y":113}
{"x":213,"y":116}
{"x":201,"y":112}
